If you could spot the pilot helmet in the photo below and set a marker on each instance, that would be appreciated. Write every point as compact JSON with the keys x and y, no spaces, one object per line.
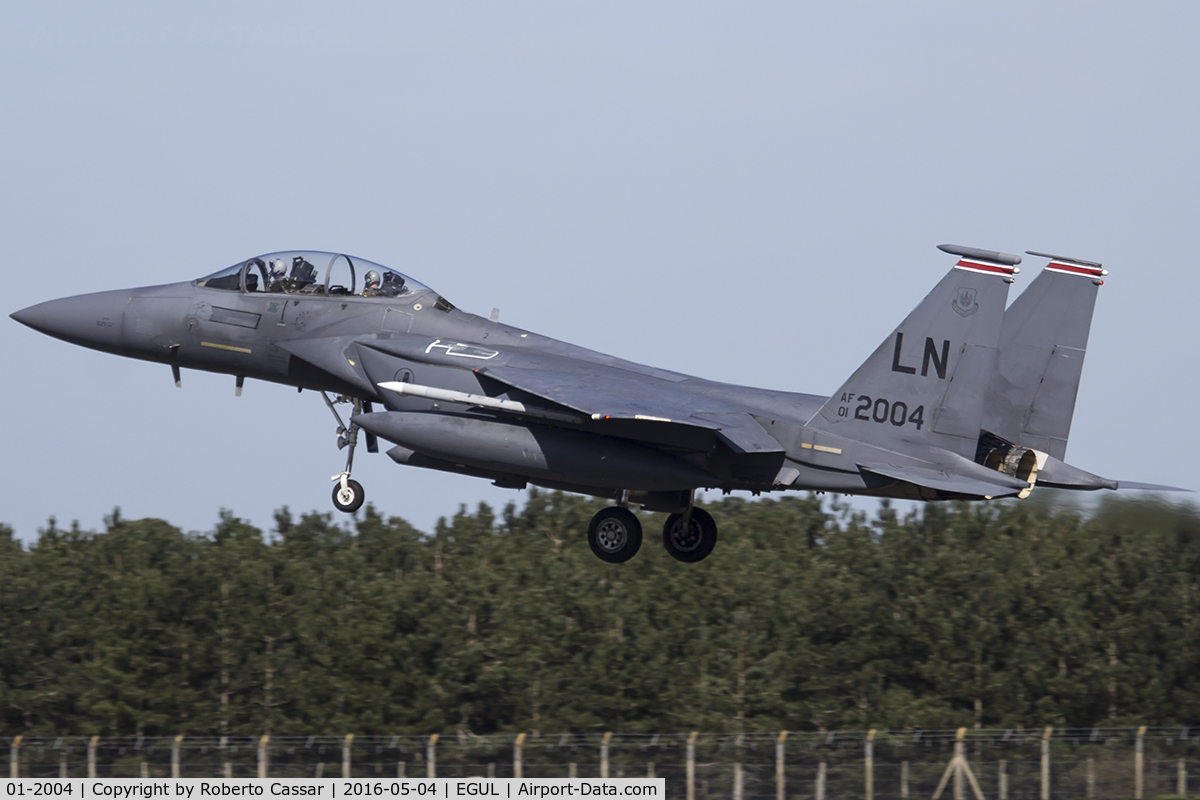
{"x":278,"y":268}
{"x":372,"y":280}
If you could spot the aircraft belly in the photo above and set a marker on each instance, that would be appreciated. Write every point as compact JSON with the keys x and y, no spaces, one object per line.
{"x":536,"y":451}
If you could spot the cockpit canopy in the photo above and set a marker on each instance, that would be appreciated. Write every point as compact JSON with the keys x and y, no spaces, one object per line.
{"x":313,"y":272}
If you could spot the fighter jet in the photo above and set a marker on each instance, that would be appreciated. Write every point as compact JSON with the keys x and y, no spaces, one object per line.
{"x":963,"y":400}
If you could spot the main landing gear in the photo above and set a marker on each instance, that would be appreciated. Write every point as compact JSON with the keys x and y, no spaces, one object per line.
{"x":348,"y":495}
{"x":615,"y":534}
{"x":690,"y":536}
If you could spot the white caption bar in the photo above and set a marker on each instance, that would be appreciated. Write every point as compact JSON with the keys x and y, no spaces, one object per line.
{"x":330,"y":788}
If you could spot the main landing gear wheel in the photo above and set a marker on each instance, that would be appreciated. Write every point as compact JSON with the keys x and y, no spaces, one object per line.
{"x":615,"y":535}
{"x":349,"y":498}
{"x":691,"y":542}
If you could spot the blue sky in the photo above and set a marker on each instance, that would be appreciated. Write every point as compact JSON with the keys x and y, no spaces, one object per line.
{"x":747,"y":192}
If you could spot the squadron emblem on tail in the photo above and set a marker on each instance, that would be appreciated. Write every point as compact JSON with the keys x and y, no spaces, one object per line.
{"x":964,"y":302}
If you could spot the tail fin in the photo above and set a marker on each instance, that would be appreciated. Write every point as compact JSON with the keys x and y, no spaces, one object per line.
{"x":1031,"y":398}
{"x":925,"y":383}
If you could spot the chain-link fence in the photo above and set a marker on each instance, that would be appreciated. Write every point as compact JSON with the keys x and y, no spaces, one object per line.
{"x":877,"y":765}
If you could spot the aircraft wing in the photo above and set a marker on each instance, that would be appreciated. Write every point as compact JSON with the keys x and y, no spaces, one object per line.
{"x":599,"y":391}
{"x":605,"y":393}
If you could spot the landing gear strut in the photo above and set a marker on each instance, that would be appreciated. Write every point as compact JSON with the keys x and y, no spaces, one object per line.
{"x":690,"y":536}
{"x":348,"y":495}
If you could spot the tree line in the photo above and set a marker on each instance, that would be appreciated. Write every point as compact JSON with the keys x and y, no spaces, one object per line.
{"x":808,"y":616}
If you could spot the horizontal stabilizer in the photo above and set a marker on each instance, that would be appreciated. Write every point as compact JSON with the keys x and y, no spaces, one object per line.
{"x":1056,"y":474}
{"x":1149,"y":487}
{"x":945,"y":482}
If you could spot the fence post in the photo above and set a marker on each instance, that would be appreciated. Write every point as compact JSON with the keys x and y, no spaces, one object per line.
{"x":904,"y":780}
{"x":1002,"y":784}
{"x":1138,"y":764}
{"x":959,"y":755}
{"x":820,"y":793}
{"x":1091,"y":778}
{"x":691,"y":765}
{"x":1046,"y":763}
{"x":779,"y":776}
{"x":737,"y":780}
{"x":604,"y":740}
{"x":869,"y":765}
{"x":62,"y":764}
{"x":227,"y":767}
{"x":517,"y":745}
{"x":92,"y":744}
{"x":346,"y":764}
{"x":263,"y":755}
{"x":1181,"y":778}
{"x":175,"y":755}
{"x":14,"y":758}
{"x":431,"y":756}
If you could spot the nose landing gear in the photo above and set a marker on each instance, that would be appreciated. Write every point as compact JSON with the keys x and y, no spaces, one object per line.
{"x":348,"y":495}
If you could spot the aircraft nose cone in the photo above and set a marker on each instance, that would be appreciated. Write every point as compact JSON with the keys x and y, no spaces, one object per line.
{"x":92,"y":320}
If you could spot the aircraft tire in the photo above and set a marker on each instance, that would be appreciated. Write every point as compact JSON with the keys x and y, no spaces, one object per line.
{"x":695,"y":543}
{"x":615,"y":535}
{"x":351,"y":499}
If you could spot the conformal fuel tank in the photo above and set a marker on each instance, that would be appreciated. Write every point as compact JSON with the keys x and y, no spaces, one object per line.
{"x":536,"y":451}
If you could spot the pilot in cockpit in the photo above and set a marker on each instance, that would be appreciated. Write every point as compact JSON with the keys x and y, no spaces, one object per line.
{"x":278,"y":273}
{"x":390,"y":284}
{"x":371,"y":284}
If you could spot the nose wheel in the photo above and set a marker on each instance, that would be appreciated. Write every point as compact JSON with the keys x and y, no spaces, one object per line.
{"x":348,"y":495}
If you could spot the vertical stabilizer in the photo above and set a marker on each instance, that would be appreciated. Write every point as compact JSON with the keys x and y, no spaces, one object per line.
{"x":925,"y":383}
{"x":1031,"y":399}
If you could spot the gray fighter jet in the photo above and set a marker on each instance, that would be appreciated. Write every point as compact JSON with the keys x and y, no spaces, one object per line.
{"x":964,"y":400}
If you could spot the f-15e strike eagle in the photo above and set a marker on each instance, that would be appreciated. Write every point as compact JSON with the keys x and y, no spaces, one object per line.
{"x":964,"y":400}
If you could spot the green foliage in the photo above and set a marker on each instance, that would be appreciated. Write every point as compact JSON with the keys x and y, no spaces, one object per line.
{"x":805,"y":617}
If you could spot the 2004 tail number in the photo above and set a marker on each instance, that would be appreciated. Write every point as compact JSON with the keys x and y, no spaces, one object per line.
{"x":882,"y":410}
